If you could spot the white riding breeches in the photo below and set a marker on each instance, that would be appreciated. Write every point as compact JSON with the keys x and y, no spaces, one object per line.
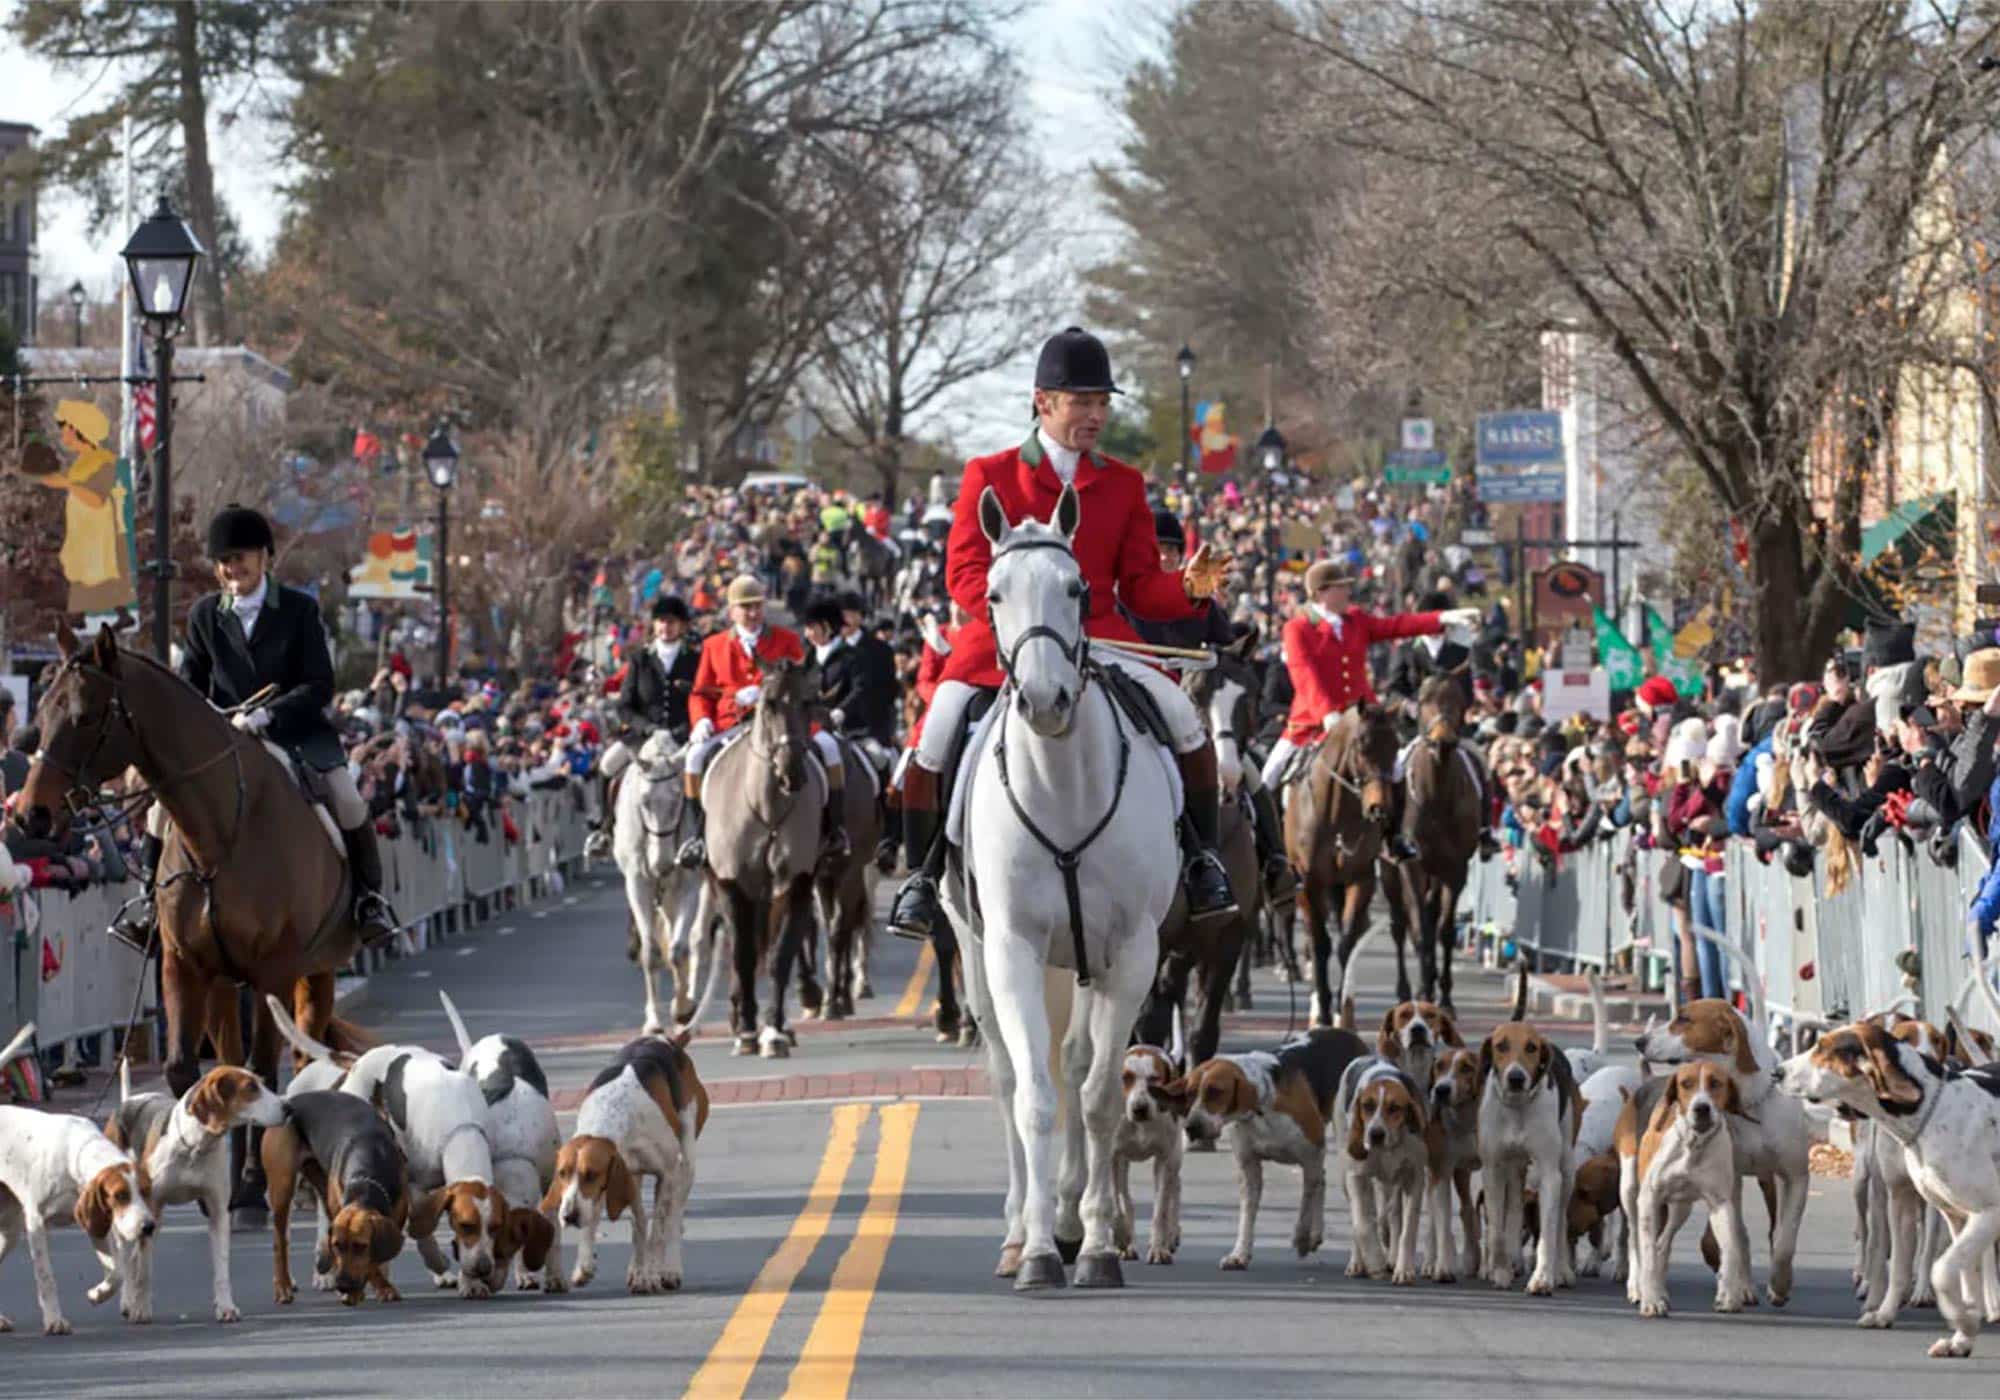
{"x":615,"y":759}
{"x":946,"y":718}
{"x":1281,"y":754}
{"x":336,"y":786}
{"x":704,"y":752}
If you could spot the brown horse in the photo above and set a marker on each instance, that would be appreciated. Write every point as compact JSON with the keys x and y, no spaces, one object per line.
{"x":1441,"y":814}
{"x":250,"y":888}
{"x":846,"y":893}
{"x":1334,"y":819}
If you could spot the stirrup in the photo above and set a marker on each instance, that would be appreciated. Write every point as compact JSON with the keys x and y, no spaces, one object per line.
{"x":1207,"y":884}
{"x":598,"y":844}
{"x":1281,"y":882}
{"x":914,"y":912}
{"x":133,"y":925}
{"x":375,"y":917}
{"x":693,"y":854}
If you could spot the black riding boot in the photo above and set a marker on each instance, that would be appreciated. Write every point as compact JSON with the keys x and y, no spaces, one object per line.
{"x":1203,"y":876}
{"x":916,"y":909}
{"x":693,"y":853}
{"x":372,"y":914}
{"x":891,"y":844}
{"x":134,"y":925}
{"x":1398,"y":844}
{"x":1279,"y":881}
{"x":833,"y":845}
{"x":599,"y":842}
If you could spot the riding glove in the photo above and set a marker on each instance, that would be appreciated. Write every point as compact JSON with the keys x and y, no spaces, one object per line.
{"x":747,"y":696}
{"x":253,"y":721}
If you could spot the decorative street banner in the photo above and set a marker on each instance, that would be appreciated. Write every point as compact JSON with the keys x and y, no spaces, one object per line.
{"x":1520,"y":456}
{"x":1622,"y":662}
{"x":1687,"y":675}
{"x":397,"y":565}
{"x":1215,"y":446}
{"x":97,"y":553}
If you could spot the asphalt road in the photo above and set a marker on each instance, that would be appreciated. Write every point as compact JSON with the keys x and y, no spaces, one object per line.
{"x":845,"y":1246}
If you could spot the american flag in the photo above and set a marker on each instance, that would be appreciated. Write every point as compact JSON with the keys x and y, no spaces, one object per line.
{"x":145,"y":412}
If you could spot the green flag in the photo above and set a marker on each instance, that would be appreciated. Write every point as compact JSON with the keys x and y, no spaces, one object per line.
{"x":1622,"y":664}
{"x":1684,"y":673}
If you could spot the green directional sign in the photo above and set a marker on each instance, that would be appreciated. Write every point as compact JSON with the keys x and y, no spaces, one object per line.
{"x":1407,"y":467}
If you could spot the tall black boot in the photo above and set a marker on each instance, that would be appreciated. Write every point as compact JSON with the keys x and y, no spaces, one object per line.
{"x":1204,"y":876}
{"x":1279,"y":881}
{"x":1398,"y":844}
{"x":598,"y":843}
{"x":693,"y":853}
{"x":134,"y":925}
{"x":372,"y":914}
{"x":892,"y":838}
{"x":833,"y":845}
{"x":917,"y":909}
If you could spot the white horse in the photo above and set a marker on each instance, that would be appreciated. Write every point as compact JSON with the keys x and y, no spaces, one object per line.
{"x":663,"y":897}
{"x":1062,"y":766}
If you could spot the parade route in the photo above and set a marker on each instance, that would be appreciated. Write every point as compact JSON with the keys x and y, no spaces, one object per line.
{"x":842,"y":1235}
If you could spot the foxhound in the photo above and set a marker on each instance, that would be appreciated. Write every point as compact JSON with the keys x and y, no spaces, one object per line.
{"x":1412,"y":1035}
{"x":1149,"y":1130}
{"x":1680,"y":1156}
{"x":1948,"y":1124}
{"x":184,"y":1146}
{"x":525,"y":1139}
{"x":1275,"y":1107}
{"x":1527,"y":1118}
{"x":640,"y":1118}
{"x":54,"y":1165}
{"x":1453,"y":1142}
{"x":341,"y":1146}
{"x":1386,"y":1159}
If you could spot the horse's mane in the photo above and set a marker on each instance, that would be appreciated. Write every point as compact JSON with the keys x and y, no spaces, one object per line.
{"x":1440,"y":687}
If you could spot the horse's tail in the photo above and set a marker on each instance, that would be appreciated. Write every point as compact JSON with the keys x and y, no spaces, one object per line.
{"x":1600,"y":1019}
{"x":300,"y":1041}
{"x":457,"y":1026}
{"x":705,"y":928}
{"x":18,"y":1046}
{"x":1520,"y":1012}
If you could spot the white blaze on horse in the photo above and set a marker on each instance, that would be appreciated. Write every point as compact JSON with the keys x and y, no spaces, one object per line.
{"x":1069,"y":850}
{"x":664,"y":898}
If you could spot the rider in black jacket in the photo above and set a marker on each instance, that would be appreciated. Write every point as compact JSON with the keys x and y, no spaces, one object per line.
{"x":658,"y":681}
{"x":257,"y":634}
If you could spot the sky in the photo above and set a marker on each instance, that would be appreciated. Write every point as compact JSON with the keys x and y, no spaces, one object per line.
{"x":1073,"y":52}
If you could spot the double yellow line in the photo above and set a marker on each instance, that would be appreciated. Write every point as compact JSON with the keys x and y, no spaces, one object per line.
{"x":825,"y":1368}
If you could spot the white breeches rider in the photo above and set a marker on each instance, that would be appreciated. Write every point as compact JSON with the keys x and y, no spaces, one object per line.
{"x":947,"y":713}
{"x":615,"y":759}
{"x":702,"y":750}
{"x":1281,"y":754}
{"x":343,"y":800}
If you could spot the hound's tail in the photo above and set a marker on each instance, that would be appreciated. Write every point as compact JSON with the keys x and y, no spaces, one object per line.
{"x":18,"y":1046}
{"x":124,"y":1079}
{"x":1600,"y":1020}
{"x":1752,"y":979}
{"x":457,"y":1027}
{"x":1520,"y":991}
{"x":1347,"y":1020}
{"x":1967,"y":1046}
{"x":1177,"y":1044}
{"x":300,"y":1041}
{"x":1983,"y":974}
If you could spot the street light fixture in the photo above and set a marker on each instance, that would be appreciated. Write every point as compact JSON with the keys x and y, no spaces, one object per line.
{"x":1271,"y":457}
{"x":1184,"y":363}
{"x":77,"y":296}
{"x":160,"y":258}
{"x":441,"y":465}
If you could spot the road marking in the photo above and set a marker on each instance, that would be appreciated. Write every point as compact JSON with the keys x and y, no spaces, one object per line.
{"x":725,"y":1375}
{"x":826,"y":1365}
{"x":920,"y":976}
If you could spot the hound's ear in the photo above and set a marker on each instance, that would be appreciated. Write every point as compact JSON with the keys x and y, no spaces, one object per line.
{"x":1386,"y":1044}
{"x":618,"y":1187}
{"x":104,"y":650}
{"x":1451,"y":1035}
{"x":1885,"y":1073}
{"x":554,"y":1196}
{"x":93,"y":1210}
{"x":1421,"y":1112}
{"x":992,"y":516}
{"x":1069,"y":512}
{"x":385,"y":1241}
{"x":1176,"y":1094}
{"x":1746,"y":1051}
{"x":1732,"y":1097}
{"x":66,"y":643}
{"x":1357,"y":1146}
{"x":1954,"y":1048}
{"x":424,"y":1212}
{"x":1485,"y":1060}
{"x":533,"y":1237}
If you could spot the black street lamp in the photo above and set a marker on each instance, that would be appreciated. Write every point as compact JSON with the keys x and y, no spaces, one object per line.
{"x":441,"y":464}
{"x":1184,"y":362}
{"x":160,"y":259}
{"x":1271,"y":457}
{"x":77,"y":295}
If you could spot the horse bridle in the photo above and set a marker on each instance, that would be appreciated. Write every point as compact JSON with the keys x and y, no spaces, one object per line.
{"x":765,"y":755}
{"x":653,"y":774}
{"x":1076,"y":653}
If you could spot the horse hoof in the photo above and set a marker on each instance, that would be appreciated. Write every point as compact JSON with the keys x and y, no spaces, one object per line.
{"x":1200,"y":1145}
{"x":745,"y":1045}
{"x":867,"y":989}
{"x":1010,"y":1261}
{"x":1069,"y":1249}
{"x":1099,"y":1271}
{"x":683,"y":1012}
{"x":776,"y":1048}
{"x":968,"y":1037}
{"x":249,"y":1219}
{"x":1039,"y":1271}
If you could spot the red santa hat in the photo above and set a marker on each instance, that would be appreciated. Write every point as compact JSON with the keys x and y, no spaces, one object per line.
{"x":1654,"y":692}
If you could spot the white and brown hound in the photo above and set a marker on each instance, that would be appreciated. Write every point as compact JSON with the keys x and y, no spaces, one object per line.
{"x":1149,"y":1130}
{"x":522,"y":1132}
{"x":1527,"y":1118}
{"x":341,"y":1146}
{"x":1453,"y":1142}
{"x":184,"y":1146}
{"x":1680,"y":1155}
{"x":640,"y":1118}
{"x":1948,"y":1124}
{"x":54,"y":1165}
{"x":1386,"y":1160}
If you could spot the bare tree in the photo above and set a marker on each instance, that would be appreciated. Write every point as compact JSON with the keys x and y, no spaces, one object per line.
{"x":1760,"y":210}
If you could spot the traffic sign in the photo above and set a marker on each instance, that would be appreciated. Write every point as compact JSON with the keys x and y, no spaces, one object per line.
{"x":1419,"y":435}
{"x":1410,"y":467}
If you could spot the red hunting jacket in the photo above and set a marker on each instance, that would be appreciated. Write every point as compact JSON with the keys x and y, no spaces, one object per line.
{"x":725,"y":668}
{"x":1114,"y":544}
{"x":1331,"y":673}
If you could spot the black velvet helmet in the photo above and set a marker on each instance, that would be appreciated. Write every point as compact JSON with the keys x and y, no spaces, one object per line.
{"x":824,"y":611}
{"x":236,"y":528}
{"x":667,"y":605}
{"x":1076,"y":361}
{"x":1167,"y":526}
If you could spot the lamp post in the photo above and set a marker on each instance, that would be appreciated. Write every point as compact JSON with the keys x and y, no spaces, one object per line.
{"x":77,"y":296}
{"x":441,"y":464}
{"x":1271,"y":457}
{"x":1184,"y":363}
{"x":160,"y":258}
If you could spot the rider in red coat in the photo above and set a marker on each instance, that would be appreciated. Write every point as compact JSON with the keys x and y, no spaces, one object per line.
{"x":1119,"y":555}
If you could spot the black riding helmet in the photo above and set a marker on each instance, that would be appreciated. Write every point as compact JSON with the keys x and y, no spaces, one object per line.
{"x":1167,"y":527}
{"x":237,"y":528}
{"x":823,"y":611}
{"x":667,"y":605}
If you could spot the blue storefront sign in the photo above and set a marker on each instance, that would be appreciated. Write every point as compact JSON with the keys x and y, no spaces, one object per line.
{"x":1520,"y":456}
